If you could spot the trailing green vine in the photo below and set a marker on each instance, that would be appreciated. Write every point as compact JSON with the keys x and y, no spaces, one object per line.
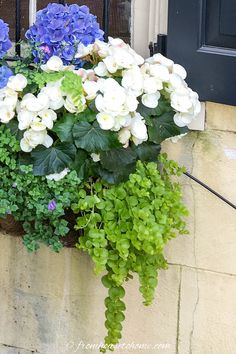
{"x":126,"y":227}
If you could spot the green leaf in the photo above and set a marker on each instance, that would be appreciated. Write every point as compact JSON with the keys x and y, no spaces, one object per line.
{"x":163,"y":107}
{"x":72,"y":86}
{"x":87,"y":116}
{"x":13,"y":126}
{"x":147,"y":151}
{"x":63,"y":127}
{"x":118,"y":159}
{"x":52,"y":160}
{"x":163,"y":128}
{"x":116,"y":177}
{"x":82,"y":164}
{"x":92,"y":138}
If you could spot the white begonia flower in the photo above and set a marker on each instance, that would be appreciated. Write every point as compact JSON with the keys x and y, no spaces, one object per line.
{"x":123,"y":58}
{"x":122,"y":121}
{"x":138,"y":128}
{"x":131,"y":103}
{"x":152,"y":85}
{"x":151,"y":100}
{"x":181,"y":100}
{"x":6,"y":114}
{"x":82,"y":73}
{"x":58,"y":176}
{"x":113,"y":99}
{"x":139,"y":60}
{"x":101,"y":69}
{"x":55,"y":105}
{"x":9,"y":97}
{"x":48,"y":114}
{"x":101,"y":48}
{"x":116,"y":42}
{"x":161,"y":59}
{"x":37,"y":125}
{"x":179,"y":70}
{"x":133,"y":80}
{"x":45,"y":120}
{"x":35,"y":104}
{"x":175,"y":82}
{"x":111,"y":64}
{"x":91,"y":89}
{"x":105,"y":120}
{"x":196,"y":105}
{"x":55,"y":95}
{"x":160,"y":71}
{"x":53,"y":64}
{"x":123,"y":136}
{"x":183,"y":119}
{"x":17,"y":82}
{"x":25,"y":118}
{"x":32,"y":138}
{"x":95,"y":157}
{"x":53,"y":90}
{"x":83,"y":51}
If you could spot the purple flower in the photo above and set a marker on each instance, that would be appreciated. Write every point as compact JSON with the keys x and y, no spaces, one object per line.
{"x":52,"y":205}
{"x":59,"y":29}
{"x":5,"y":43}
{"x":5,"y":73}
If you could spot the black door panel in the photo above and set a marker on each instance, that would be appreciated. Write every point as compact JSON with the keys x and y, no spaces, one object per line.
{"x":202,"y":37}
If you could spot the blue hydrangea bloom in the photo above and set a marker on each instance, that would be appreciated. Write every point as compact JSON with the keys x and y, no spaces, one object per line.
{"x":59,"y":29}
{"x":5,"y":73}
{"x":5,"y":43}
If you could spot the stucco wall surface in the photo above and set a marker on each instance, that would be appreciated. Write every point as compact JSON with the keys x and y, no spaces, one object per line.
{"x":53,"y":303}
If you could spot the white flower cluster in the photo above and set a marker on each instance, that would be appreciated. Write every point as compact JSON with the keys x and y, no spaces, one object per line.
{"x":142,"y":81}
{"x":9,"y":97}
{"x":119,"y":82}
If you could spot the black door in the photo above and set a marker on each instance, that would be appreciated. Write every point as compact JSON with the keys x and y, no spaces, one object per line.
{"x":202,"y":37}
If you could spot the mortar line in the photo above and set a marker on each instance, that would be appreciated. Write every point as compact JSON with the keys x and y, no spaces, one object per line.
{"x":202,"y":269}
{"x":178,"y":311}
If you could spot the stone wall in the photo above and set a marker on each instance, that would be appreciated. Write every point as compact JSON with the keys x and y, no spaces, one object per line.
{"x":52,"y":303}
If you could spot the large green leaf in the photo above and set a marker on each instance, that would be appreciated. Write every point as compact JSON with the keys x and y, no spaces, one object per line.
{"x":92,"y":138}
{"x":82,"y":164}
{"x":163,"y":127}
{"x":13,"y":126}
{"x":72,"y":86}
{"x":63,"y":127}
{"x":87,"y":116}
{"x":116,"y":177}
{"x":118,"y":159}
{"x":147,"y":151}
{"x":163,"y":107}
{"x":52,"y":160}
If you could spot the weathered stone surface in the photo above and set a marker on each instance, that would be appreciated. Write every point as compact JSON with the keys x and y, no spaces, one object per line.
{"x":207,"y":313}
{"x":4,"y":349}
{"x":221,"y":117}
{"x":55,"y":304}
{"x":211,"y":244}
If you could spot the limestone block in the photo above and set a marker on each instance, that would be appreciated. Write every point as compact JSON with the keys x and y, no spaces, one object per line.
{"x":207,"y":313}
{"x":53,"y":303}
{"x":11,"y":350}
{"x":221,"y":117}
{"x":211,"y":243}
{"x":155,"y":325}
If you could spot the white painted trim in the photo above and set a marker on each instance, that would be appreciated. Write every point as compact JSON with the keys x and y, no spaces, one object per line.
{"x":32,"y":11}
{"x":149,"y":17}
